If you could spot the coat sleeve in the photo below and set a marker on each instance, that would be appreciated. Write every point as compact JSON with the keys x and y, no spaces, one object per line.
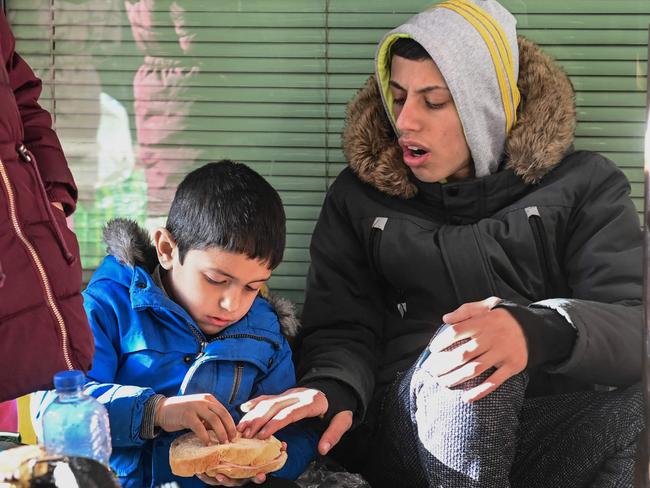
{"x":342,"y":315}
{"x":603,"y":262}
{"x":125,"y":403}
{"x":39,"y":136}
{"x":301,"y":440}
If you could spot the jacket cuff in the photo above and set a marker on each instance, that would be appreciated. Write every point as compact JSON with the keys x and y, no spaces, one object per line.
{"x":549,"y":337}
{"x":339,"y":396}
{"x":148,"y":430}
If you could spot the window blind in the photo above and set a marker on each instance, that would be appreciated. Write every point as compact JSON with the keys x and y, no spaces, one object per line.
{"x":270,"y":87}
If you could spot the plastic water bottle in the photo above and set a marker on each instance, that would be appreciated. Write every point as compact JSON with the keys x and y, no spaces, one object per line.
{"x":76,"y":424}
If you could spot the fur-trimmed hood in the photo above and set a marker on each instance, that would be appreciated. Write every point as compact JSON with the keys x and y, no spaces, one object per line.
{"x":131,"y":244}
{"x":542,"y":136}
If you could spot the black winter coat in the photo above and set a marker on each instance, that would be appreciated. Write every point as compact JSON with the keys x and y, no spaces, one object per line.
{"x":552,"y":230}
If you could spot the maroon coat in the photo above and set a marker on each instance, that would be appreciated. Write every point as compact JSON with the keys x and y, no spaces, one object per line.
{"x":43,"y":327}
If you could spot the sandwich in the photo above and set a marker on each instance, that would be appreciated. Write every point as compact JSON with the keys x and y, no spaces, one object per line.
{"x":239,"y":459}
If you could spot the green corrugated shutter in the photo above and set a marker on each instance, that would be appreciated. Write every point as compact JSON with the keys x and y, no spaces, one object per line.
{"x":277,"y":75}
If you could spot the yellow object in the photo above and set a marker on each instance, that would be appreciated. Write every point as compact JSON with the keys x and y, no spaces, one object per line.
{"x":264,"y":291}
{"x":495,"y":40}
{"x":27,"y":434}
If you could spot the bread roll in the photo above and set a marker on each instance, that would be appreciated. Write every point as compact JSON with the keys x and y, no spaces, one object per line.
{"x":242,"y":458}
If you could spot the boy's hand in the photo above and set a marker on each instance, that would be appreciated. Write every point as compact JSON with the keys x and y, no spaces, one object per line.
{"x":267,"y":414}
{"x":196,"y":412}
{"x":221,"y":480}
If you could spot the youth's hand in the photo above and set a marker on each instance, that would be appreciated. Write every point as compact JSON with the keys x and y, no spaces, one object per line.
{"x":196,"y":412}
{"x":58,"y":205}
{"x":492,"y":338}
{"x":267,"y":414}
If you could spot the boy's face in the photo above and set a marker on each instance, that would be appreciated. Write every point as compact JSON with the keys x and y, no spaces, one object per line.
{"x":215,"y":287}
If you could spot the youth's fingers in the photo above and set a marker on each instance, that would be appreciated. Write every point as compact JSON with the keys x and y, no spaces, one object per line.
{"x":447,"y":361}
{"x":470,"y":309}
{"x":340,"y":424}
{"x":493,"y":382}
{"x":466,"y":372}
{"x":284,"y":417}
{"x":251,"y":404}
{"x":450,"y":336}
{"x":254,"y":420}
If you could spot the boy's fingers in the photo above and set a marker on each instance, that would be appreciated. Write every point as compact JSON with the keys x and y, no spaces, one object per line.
{"x":196,"y":425}
{"x":219,"y":414}
{"x":208,"y":480}
{"x":339,"y":425}
{"x":228,"y":423}
{"x":259,"y":479}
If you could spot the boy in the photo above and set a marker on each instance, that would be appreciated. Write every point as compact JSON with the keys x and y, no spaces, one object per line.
{"x":182,"y":338}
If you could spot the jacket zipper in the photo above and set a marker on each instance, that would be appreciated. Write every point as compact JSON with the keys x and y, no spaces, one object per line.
{"x":203,"y":343}
{"x":375,"y":242}
{"x":376,"y":233}
{"x":539,"y":234}
{"x":239,"y":371}
{"x":275,"y":345}
{"x":39,"y":266}
{"x":28,"y":157}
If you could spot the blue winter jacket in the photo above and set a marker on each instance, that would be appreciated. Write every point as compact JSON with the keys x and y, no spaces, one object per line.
{"x":145,"y":343}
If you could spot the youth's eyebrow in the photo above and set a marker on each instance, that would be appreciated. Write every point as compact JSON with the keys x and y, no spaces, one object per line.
{"x":426,"y":89}
{"x":220,"y":271}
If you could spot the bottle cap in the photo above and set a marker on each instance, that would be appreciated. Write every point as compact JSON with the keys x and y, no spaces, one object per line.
{"x":69,"y":381}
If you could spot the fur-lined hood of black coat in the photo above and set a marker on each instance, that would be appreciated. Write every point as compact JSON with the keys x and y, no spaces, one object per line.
{"x":542,"y":136}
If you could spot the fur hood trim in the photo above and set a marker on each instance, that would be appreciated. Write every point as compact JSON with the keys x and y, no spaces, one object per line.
{"x":131,"y":245}
{"x":541,"y":138}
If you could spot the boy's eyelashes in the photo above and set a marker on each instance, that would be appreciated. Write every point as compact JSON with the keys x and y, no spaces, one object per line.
{"x":213,"y":281}
{"x":250,"y":288}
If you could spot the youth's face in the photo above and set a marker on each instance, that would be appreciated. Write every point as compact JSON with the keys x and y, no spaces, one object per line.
{"x":215,"y":287}
{"x":430,"y":132}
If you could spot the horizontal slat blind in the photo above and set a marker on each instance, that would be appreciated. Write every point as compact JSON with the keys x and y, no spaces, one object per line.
{"x":275,"y":77}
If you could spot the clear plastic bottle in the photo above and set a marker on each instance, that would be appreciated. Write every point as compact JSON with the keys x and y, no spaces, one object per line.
{"x":76,"y":424}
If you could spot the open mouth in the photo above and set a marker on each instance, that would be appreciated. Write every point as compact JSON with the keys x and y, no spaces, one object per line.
{"x":416,"y":151}
{"x":414,"y":155}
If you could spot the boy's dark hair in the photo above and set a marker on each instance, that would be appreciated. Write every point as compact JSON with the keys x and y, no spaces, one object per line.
{"x":228,"y":205}
{"x":407,"y":48}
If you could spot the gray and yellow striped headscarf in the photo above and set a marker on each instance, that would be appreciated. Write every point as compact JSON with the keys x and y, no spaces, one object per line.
{"x":474,"y":45}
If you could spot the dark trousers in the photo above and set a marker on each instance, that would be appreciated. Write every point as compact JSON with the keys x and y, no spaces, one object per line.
{"x":428,"y":437}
